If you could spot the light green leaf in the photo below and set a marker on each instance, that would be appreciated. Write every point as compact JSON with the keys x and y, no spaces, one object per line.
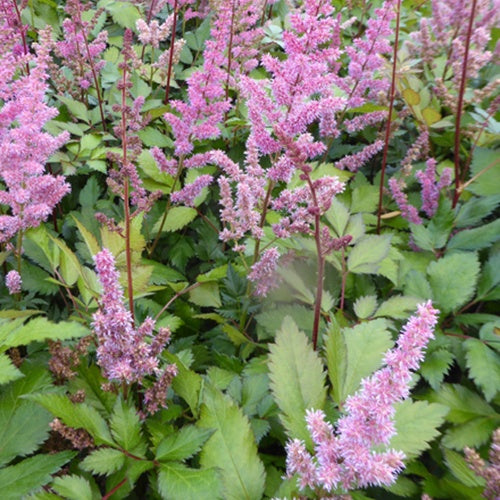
{"x":178,"y":482}
{"x":416,"y":285}
{"x":365,"y":306}
{"x":484,"y":367}
{"x":367,"y":254}
{"x":39,"y":329}
{"x":126,"y":426}
{"x":490,"y":279}
{"x":366,"y":345}
{"x":31,"y":474}
{"x":231,"y":448}
{"x":183,"y":444}
{"x":484,"y":168}
{"x":76,"y":415}
{"x":8,"y":371}
{"x":89,"y":239}
{"x":103,"y":461}
{"x":297,"y":378}
{"x":453,"y":280}
{"x":476,"y":209}
{"x":416,"y":425}
{"x":73,"y":487}
{"x":338,"y":216}
{"x":397,"y":307}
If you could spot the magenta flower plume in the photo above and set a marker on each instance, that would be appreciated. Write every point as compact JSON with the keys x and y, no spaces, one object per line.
{"x":431,"y":188}
{"x":124,"y":352}
{"x":344,"y":457}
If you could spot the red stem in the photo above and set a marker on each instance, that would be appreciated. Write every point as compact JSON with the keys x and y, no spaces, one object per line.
{"x":460,"y":105}
{"x":389,"y":118}
{"x":115,"y":489}
{"x":171,"y":55}
{"x":23,"y":35}
{"x":126,"y":195}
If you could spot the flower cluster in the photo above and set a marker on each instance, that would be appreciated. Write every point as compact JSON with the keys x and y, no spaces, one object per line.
{"x":124,"y":352}
{"x":345,"y":457}
{"x":29,"y":192}
{"x":431,"y":188}
{"x":489,"y":471}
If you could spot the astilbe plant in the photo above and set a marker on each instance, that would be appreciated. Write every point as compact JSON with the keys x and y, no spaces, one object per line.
{"x":123,"y":352}
{"x":345,"y":457}
{"x":29,"y":191}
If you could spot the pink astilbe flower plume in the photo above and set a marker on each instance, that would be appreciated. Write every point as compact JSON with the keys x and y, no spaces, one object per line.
{"x":126,"y":353}
{"x":344,"y":457}
{"x":13,"y":282}
{"x":29,"y":192}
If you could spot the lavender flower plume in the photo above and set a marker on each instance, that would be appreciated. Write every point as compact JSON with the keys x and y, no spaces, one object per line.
{"x":13,"y":282}
{"x":124,"y":353}
{"x":345,"y":457}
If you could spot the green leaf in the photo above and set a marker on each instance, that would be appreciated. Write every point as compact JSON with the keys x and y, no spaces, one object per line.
{"x":366,"y":345}
{"x":367,"y":254}
{"x":461,"y":470}
{"x":89,"y":239}
{"x":336,"y":359}
{"x":126,"y":426}
{"x":39,"y":329}
{"x":453,"y":280}
{"x":73,"y":487}
{"x":231,"y":448}
{"x":365,"y":306}
{"x":31,"y":474}
{"x":76,"y":108}
{"x":484,"y":168}
{"x":187,"y":384}
{"x":463,"y":403}
{"x":338,"y":216}
{"x":124,"y":14}
{"x":23,"y":424}
{"x":397,"y":307}
{"x":76,"y":415}
{"x":484,"y":367}
{"x":473,"y":433}
{"x":416,"y":426}
{"x":8,"y":372}
{"x":103,"y":461}
{"x":475,"y":239}
{"x":297,"y":378}
{"x":178,"y":482}
{"x":490,"y":278}
{"x":206,"y":295}
{"x":183,"y":444}
{"x":68,"y":263}
{"x":436,"y":366}
{"x":177,"y":218}
{"x":416,"y":285}
{"x":475,"y":210}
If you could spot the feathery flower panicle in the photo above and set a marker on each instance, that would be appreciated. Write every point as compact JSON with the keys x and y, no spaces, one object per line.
{"x":264,"y":273}
{"x":13,"y":282}
{"x":409,"y":212}
{"x":126,"y":353}
{"x":25,"y":147}
{"x":431,"y":188}
{"x":489,"y":471}
{"x":80,"y":54}
{"x":344,"y":457}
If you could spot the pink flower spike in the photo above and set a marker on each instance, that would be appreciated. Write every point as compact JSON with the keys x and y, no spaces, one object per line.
{"x":13,"y":282}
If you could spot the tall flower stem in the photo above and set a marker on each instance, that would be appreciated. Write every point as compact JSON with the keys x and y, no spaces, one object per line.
{"x":460,"y":106}
{"x":230,"y":52}
{"x":23,"y":34}
{"x":321,"y":265}
{"x":171,"y":55}
{"x":389,"y":118}
{"x":126,"y":199}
